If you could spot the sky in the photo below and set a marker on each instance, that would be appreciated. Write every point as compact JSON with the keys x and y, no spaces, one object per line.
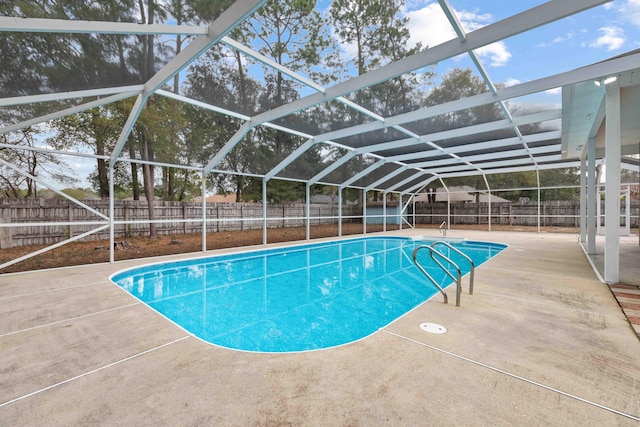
{"x":591,"y":36}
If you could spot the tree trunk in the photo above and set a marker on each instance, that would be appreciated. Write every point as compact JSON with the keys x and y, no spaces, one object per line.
{"x":134,"y":173}
{"x":147,"y":172}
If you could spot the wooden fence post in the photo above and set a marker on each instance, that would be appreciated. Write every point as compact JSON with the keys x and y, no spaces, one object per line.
{"x":70,"y":209}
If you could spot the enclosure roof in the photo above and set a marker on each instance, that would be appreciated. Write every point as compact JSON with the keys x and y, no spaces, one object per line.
{"x":399,"y":149}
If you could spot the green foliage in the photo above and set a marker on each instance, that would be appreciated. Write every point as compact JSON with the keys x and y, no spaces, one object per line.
{"x":278,"y":191}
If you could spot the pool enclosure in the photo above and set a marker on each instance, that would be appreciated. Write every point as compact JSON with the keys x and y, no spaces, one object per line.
{"x":280,"y":92}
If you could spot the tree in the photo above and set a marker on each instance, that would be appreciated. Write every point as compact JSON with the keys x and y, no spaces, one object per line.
{"x":376,"y":34}
{"x":98,"y":129}
{"x":42,"y":165}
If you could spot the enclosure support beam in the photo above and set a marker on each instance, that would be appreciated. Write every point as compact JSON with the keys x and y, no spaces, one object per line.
{"x":67,"y":112}
{"x":203,"y":192}
{"x":489,"y":201}
{"x":583,"y":200}
{"x":308,"y":210}
{"x":592,"y":194}
{"x":112,"y":213}
{"x":339,"y":212}
{"x":384,"y":211}
{"x":538,"y":184}
{"x":289,"y":159}
{"x":364,"y":211}
{"x":408,"y":180}
{"x":612,"y":187}
{"x":264,"y":211}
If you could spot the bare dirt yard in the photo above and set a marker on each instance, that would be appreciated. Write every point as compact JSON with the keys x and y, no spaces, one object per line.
{"x":97,"y":251}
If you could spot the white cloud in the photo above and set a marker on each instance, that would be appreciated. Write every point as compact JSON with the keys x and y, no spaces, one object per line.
{"x":512,"y":82}
{"x":631,"y":11}
{"x":497,"y":53}
{"x":612,"y":38}
{"x":554,"y":91}
{"x":560,"y":39}
{"x":564,"y":38}
{"x":429,"y":26}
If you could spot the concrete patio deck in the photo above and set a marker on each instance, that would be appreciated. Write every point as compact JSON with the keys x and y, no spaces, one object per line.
{"x":541,"y":342}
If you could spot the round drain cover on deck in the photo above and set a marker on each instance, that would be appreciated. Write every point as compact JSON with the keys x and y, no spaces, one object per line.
{"x":433,"y":328}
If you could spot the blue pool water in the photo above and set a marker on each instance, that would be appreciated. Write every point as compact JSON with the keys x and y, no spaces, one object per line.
{"x":297,"y":298}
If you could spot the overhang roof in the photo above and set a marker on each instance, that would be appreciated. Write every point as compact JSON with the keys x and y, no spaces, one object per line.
{"x":389,"y":153}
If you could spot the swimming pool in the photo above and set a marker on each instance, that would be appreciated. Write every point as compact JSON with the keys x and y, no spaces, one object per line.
{"x":295,"y":298}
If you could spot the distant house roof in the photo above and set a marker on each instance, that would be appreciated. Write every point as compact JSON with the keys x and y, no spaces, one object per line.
{"x":462,"y":193}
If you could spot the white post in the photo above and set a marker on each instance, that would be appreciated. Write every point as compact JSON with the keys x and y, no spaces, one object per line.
{"x":203,"y":191}
{"x":384,"y":211}
{"x":583,"y":200}
{"x":339,"y":212}
{"x":592,"y":196}
{"x":448,"y":210}
{"x":538,"y":183}
{"x":264,"y":211}
{"x":612,"y":187}
{"x":364,"y":212}
{"x":627,"y":212}
{"x":486,"y":182}
{"x":112,"y":211}
{"x":308,"y":208}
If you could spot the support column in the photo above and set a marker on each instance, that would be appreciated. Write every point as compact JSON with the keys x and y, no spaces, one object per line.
{"x":583,"y":200}
{"x":112,"y":211}
{"x":264,"y":211}
{"x":538,"y":184}
{"x":308,"y":210}
{"x":592,"y":194}
{"x":612,"y":187}
{"x":339,"y":212}
{"x":203,"y":192}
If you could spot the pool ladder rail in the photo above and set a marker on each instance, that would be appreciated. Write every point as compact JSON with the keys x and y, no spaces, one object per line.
{"x":458,"y":278}
{"x":443,"y":229}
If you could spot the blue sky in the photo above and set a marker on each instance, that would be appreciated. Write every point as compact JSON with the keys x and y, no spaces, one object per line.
{"x":573,"y":42}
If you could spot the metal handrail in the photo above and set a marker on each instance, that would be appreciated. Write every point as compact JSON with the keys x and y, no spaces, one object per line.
{"x":431,"y":252}
{"x":443,"y":230}
{"x":465,"y":256}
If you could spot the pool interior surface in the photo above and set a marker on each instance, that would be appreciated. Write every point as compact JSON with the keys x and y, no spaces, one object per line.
{"x":297,"y":298}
